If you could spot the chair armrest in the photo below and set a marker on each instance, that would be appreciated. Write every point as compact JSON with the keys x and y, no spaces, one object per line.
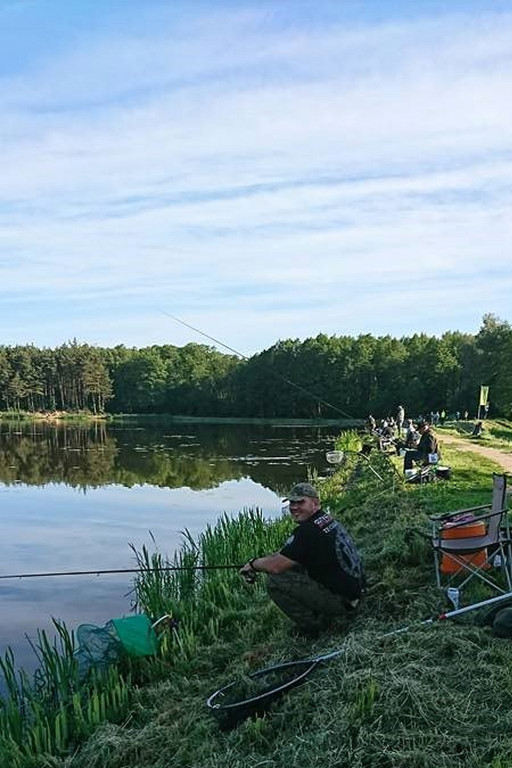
{"x":477,"y":519}
{"x":448,"y":515}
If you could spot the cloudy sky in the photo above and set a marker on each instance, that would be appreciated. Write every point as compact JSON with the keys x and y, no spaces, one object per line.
{"x":262,"y":171}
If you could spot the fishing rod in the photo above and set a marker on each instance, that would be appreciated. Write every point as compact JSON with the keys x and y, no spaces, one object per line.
{"x":279,"y":376}
{"x":120,"y":570}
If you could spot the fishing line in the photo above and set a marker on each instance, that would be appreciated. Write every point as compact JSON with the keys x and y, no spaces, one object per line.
{"x":269,"y":369}
{"x":120,"y":570}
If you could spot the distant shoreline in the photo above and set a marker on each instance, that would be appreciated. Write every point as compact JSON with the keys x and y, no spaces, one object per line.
{"x":54,"y":416}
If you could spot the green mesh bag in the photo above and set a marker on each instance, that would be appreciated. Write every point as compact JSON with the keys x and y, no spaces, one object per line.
{"x":136,"y":634}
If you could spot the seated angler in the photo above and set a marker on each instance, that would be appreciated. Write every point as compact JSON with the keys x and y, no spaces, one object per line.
{"x":477,"y":429}
{"x":318,"y":574}
{"x":427,"y":445}
{"x":412,"y":436}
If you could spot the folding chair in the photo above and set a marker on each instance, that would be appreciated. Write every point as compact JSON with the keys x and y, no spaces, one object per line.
{"x":466,"y":545}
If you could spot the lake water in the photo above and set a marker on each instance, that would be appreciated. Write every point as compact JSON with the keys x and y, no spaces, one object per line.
{"x":74,"y":497}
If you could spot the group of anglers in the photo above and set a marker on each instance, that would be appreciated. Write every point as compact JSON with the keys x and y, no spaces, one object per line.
{"x":416,"y":442}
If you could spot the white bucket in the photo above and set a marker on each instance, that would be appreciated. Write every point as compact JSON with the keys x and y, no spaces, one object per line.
{"x":334,"y":457}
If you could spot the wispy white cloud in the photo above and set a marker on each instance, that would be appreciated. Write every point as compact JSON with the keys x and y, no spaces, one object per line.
{"x":265,"y":180}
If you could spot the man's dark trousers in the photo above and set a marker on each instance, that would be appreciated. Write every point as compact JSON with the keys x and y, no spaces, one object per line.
{"x":304,"y":600}
{"x":411,"y":456}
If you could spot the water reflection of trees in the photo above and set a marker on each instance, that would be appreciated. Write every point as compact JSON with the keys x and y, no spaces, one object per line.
{"x":198,"y":456}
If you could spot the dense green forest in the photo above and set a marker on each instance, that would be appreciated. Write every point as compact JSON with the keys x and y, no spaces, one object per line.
{"x":357,"y":375}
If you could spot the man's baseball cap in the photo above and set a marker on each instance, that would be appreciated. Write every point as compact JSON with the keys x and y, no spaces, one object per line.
{"x":302,"y":491}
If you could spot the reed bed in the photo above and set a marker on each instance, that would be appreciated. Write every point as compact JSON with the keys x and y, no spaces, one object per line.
{"x":48,"y":714}
{"x":204,"y":601}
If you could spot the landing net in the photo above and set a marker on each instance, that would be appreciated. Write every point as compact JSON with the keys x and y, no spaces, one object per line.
{"x":252,"y":694}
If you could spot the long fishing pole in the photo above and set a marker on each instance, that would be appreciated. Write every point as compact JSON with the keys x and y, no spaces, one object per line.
{"x":279,"y":376}
{"x":101,"y":572}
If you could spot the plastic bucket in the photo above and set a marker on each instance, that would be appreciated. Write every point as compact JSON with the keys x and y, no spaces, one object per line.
{"x":474,"y":528}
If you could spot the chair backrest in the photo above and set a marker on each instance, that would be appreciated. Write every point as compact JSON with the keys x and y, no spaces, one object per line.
{"x":499,"y":491}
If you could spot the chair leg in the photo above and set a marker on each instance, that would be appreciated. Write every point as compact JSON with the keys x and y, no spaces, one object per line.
{"x":507,"y":563}
{"x":475,"y":571}
{"x":438,"y":568}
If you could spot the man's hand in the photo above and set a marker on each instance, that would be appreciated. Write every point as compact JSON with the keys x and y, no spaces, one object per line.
{"x":248,"y":573}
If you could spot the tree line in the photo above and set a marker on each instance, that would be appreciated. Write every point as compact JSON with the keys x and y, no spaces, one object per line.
{"x":356,"y":375}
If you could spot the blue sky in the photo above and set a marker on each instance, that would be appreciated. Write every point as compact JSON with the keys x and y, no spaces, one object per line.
{"x":263,"y":171}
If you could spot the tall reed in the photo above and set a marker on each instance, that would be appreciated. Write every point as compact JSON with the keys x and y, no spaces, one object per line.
{"x":52,"y":712}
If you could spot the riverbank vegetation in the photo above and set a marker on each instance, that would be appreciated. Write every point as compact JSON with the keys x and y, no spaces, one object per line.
{"x":433,"y":697}
{"x":355,"y":375}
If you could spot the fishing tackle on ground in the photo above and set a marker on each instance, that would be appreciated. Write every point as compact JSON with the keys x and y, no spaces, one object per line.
{"x":255,"y":692}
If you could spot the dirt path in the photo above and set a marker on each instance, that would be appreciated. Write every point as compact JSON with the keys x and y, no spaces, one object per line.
{"x":500,"y":457}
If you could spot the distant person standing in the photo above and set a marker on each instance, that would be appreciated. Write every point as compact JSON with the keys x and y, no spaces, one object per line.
{"x":371,"y":423}
{"x":486,"y":410}
{"x":457,"y":415}
{"x":400,"y":418}
{"x":466,"y":415}
{"x":442,"y":418}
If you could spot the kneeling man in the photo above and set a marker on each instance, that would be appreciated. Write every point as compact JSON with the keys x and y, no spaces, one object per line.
{"x":318,"y":574}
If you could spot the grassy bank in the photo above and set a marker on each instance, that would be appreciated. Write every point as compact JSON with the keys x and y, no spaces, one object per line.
{"x":434,"y":697}
{"x":496,"y":433}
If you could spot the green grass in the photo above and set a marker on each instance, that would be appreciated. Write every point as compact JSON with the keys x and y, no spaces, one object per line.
{"x":433,"y":697}
{"x":496,"y":433}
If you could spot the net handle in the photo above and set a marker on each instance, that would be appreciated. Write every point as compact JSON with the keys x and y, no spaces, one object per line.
{"x":162,"y":618}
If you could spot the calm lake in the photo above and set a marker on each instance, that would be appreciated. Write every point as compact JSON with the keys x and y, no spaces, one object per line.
{"x":74,"y":497}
